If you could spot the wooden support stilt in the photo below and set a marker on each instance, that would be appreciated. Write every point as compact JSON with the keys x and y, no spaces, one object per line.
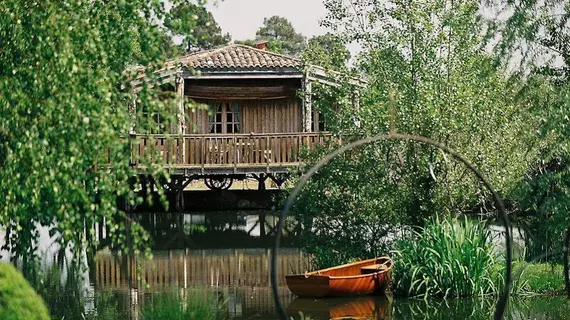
{"x":177,"y":186}
{"x":144,"y":186}
{"x":262,"y":232}
{"x":261,"y":178}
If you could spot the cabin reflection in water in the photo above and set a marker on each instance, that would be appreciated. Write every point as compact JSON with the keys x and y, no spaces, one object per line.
{"x":212,"y":268}
{"x":240,"y":277}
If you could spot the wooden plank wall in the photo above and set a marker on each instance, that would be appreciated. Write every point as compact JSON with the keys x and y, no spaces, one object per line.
{"x":256,"y":116}
{"x":272,"y":116}
{"x":197,"y":121}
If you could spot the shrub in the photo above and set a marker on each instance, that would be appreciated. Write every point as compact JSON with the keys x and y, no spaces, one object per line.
{"x":18,"y":301}
{"x":448,"y":258}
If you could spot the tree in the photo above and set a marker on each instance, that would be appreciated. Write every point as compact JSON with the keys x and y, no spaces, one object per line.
{"x":327,"y":51}
{"x":537,"y":34}
{"x":280,"y":35}
{"x":425,"y":60}
{"x":197,"y":27}
{"x":65,"y":71}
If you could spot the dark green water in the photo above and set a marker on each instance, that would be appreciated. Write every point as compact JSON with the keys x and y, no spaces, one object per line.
{"x":228,"y":258}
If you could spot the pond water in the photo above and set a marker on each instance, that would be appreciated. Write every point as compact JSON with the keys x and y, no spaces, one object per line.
{"x":228,"y":258}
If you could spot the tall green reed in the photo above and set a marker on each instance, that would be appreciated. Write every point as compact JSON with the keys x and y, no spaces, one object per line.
{"x":447,"y":258}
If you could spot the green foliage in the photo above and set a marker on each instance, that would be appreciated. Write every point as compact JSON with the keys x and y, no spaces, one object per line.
{"x":424,"y":59}
{"x":65,"y":68}
{"x":18,"y":301}
{"x":544,"y":199}
{"x":327,"y":51}
{"x":343,"y":214}
{"x":196,"y":305}
{"x":447,"y":258}
{"x":196,"y":26}
{"x":444,"y":87}
{"x":280,"y":35}
{"x":447,"y":89}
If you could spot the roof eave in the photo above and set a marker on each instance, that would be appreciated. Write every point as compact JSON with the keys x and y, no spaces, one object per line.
{"x":242,"y":73}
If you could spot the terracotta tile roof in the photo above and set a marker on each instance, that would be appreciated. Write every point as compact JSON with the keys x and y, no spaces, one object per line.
{"x":236,"y":56}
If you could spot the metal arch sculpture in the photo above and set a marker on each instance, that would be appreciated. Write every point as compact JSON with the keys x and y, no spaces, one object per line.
{"x":566,"y":267}
{"x":503,"y":299}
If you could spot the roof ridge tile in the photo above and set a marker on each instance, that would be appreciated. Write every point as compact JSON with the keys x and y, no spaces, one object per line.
{"x":237,"y":56}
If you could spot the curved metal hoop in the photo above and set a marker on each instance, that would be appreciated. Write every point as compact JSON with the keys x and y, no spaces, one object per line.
{"x":566,"y":267}
{"x":503,"y":299}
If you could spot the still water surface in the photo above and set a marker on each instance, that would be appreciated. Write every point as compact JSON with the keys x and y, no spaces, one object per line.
{"x":119,"y":287}
{"x":240,"y":281}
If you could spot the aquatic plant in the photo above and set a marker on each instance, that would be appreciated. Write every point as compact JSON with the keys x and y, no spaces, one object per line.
{"x":193,"y":305}
{"x":448,"y":258}
{"x":63,"y":290}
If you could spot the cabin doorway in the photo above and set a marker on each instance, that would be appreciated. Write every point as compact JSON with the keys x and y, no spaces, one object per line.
{"x":224,"y":118}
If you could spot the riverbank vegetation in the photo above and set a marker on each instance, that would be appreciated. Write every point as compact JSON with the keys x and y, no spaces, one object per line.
{"x":454,"y":258}
{"x":447,"y":258}
{"x":539,"y":278}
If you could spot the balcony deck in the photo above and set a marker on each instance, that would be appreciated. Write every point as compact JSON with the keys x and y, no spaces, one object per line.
{"x":225,"y":153}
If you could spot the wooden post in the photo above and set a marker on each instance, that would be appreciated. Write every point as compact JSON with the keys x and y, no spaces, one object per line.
{"x":181,"y":115}
{"x":307,"y":103}
{"x":356,"y":100}
{"x":356,"y":106}
{"x":262,"y":232}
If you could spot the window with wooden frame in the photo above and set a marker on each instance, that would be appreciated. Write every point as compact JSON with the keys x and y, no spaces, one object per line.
{"x":318,"y":122}
{"x":155,"y":120}
{"x":151,"y":122}
{"x":224,"y":118}
{"x":322,"y":118}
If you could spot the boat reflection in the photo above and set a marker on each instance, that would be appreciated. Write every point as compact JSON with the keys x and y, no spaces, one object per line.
{"x":364,"y":307}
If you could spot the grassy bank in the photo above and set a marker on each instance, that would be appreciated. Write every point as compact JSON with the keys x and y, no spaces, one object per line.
{"x":540,"y":278}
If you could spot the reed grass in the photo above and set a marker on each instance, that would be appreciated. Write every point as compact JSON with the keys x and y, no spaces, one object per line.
{"x":447,"y":258}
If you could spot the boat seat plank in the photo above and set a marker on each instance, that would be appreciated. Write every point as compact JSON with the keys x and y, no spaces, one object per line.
{"x":373,"y":268}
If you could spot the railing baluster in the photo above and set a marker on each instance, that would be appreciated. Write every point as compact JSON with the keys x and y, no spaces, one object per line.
{"x":235,"y":152}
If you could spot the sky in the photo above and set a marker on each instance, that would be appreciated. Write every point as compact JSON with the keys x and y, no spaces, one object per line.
{"x":242,"y":18}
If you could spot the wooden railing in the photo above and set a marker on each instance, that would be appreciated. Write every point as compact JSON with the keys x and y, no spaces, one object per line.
{"x":225,"y":150}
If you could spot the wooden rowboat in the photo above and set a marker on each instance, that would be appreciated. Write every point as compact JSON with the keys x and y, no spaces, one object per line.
{"x":363,"y":277}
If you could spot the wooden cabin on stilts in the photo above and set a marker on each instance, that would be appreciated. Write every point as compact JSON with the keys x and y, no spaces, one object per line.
{"x":258,"y":117}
